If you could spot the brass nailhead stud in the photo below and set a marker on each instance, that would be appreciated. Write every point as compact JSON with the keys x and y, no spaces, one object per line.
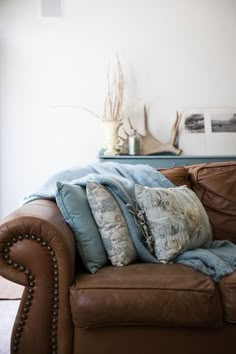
{"x":31,"y":285}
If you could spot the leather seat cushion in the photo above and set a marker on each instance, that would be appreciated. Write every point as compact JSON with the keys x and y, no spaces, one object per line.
{"x":215,"y":185}
{"x":145,"y":294}
{"x":227,"y":287}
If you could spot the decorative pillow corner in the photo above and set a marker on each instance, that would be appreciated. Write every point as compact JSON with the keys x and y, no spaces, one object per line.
{"x":73,"y":203}
{"x":176,"y":219}
{"x":111,"y":224}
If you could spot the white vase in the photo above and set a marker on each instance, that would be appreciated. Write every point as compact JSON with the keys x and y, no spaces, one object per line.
{"x":111,"y":137}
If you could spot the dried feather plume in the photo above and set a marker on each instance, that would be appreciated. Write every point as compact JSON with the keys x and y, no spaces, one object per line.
{"x":114,"y":101}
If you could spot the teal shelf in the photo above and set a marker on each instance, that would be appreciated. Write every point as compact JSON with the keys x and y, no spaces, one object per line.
{"x":165,"y":161}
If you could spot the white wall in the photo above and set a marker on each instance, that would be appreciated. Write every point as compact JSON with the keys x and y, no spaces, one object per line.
{"x":174,"y":53}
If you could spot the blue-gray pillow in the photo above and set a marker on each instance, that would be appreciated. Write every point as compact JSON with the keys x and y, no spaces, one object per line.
{"x":73,"y":203}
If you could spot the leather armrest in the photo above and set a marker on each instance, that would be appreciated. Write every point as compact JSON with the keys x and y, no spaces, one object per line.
{"x":37,"y":250}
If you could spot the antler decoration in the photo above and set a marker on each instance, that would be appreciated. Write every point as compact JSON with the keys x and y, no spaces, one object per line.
{"x":150,"y":145}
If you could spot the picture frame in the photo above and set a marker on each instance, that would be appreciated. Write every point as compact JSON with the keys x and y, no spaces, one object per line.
{"x":208,"y":131}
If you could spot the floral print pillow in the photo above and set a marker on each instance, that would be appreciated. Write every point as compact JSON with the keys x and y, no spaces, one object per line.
{"x":111,"y":224}
{"x":176,"y":219}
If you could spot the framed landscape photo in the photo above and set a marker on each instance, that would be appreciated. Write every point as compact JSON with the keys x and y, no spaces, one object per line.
{"x":223,"y":122}
{"x":208,"y":131}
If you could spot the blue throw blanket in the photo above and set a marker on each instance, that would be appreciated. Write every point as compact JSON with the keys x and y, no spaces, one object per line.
{"x":120,"y":179}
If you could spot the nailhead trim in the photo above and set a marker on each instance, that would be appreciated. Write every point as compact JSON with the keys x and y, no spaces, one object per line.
{"x":31,"y":285}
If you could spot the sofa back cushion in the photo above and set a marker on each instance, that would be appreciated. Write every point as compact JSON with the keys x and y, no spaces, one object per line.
{"x":215,"y":185}
{"x":177,"y":175}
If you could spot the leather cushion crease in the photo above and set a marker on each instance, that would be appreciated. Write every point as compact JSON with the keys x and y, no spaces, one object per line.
{"x":128,"y":295}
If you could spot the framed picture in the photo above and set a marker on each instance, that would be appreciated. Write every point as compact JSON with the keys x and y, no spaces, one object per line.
{"x":223,"y":122}
{"x":208,"y":131}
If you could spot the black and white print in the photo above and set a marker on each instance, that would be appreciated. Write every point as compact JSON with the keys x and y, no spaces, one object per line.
{"x":208,"y":130}
{"x":223,"y":123}
{"x":195,"y":123}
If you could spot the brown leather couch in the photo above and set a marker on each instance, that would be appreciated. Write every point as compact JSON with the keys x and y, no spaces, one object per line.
{"x":140,"y":308}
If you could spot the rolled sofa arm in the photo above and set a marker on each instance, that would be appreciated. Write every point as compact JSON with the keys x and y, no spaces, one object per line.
{"x":37,"y":250}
